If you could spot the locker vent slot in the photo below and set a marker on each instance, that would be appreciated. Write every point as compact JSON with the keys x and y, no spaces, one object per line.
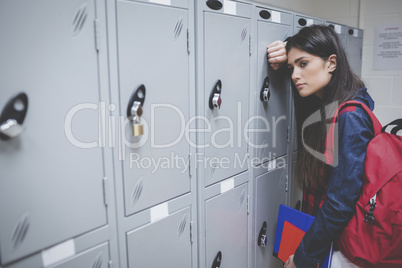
{"x":243,"y":34}
{"x":182,"y":226}
{"x":137,"y":192}
{"x":79,"y":19}
{"x":177,"y":28}
{"x":20,"y":231}
{"x":97,"y":262}
{"x":242,"y":198}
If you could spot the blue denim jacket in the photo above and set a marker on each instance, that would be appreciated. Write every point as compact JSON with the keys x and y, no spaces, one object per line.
{"x":344,"y":186}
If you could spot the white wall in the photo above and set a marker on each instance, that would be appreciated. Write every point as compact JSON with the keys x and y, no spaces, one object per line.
{"x":384,"y":86}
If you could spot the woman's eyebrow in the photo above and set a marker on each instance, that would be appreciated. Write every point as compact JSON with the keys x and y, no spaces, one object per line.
{"x":296,"y":61}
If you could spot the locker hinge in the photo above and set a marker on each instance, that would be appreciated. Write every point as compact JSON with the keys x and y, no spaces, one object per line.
{"x":188,"y":41}
{"x":189,"y":165}
{"x":96,"y":30}
{"x":105,"y":191}
{"x":287,"y":183}
{"x":287,"y":134}
{"x":110,"y":264}
{"x":191,"y":232}
{"x":249,"y":44}
{"x":248,"y":204}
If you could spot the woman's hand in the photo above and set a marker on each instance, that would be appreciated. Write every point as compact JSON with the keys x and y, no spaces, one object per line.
{"x":277,"y":54}
{"x":289,"y":263}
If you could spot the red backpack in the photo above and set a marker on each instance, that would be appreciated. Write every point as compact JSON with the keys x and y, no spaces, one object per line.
{"x":373,"y":237}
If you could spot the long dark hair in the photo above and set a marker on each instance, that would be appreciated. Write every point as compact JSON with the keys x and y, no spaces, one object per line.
{"x":344,"y":85}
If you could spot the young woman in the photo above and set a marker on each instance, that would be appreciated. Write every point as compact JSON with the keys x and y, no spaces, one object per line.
{"x":322,"y":77}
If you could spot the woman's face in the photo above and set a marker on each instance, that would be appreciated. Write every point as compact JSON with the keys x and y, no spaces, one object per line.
{"x":310,"y":73}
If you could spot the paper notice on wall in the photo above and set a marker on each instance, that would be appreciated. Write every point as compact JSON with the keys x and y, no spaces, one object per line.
{"x":388,"y":47}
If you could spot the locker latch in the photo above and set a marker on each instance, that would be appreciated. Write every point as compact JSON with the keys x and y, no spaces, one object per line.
{"x":217,"y":260}
{"x":262,"y":237}
{"x":134,"y":110}
{"x":13,"y":116}
{"x":265,"y":93}
{"x":215,"y":100}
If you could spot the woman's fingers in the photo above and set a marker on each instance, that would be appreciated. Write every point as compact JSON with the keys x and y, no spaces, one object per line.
{"x":277,"y":54}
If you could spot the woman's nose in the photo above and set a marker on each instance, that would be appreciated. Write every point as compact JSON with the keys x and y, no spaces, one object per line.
{"x":295,"y":74}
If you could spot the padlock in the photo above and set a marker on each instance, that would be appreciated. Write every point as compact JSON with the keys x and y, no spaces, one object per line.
{"x":136,"y":112}
{"x":138,"y":128}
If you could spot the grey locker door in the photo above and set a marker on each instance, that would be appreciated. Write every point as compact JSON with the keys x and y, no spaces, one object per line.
{"x":270,"y":193}
{"x":273,"y":143}
{"x":51,"y":187}
{"x":226,"y":59}
{"x":152,"y":48}
{"x":226,"y":228}
{"x":301,"y":21}
{"x":340,"y":30}
{"x":97,"y":257}
{"x":354,"y":50}
{"x":296,"y":191}
{"x":165,"y":243}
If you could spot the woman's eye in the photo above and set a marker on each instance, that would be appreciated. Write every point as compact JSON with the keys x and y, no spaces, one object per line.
{"x":303,"y":64}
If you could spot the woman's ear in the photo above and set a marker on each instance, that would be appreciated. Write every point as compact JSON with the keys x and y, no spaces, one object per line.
{"x":332,"y":63}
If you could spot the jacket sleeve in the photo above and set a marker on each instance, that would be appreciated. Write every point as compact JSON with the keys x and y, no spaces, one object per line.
{"x":343,"y":189}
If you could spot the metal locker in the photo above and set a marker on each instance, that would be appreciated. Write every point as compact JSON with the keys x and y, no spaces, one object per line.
{"x":354,"y":49}
{"x":153,"y":60}
{"x":340,"y":30}
{"x":97,"y":257}
{"x":296,"y":198}
{"x":270,"y":192}
{"x":51,"y":186}
{"x":163,"y":243}
{"x":273,"y":87}
{"x":226,"y":229}
{"x":301,"y":21}
{"x":226,"y":78}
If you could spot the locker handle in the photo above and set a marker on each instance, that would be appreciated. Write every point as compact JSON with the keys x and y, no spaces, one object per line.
{"x":262,"y":237}
{"x":265,"y":92}
{"x":217,"y":260}
{"x":215,"y":100}
{"x":12,"y":116}
{"x":137,"y":96}
{"x":134,"y":110}
{"x":214,"y":4}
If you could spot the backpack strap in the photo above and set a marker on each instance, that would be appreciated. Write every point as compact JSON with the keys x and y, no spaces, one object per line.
{"x":377,"y":127}
{"x":397,"y":126}
{"x":330,"y":158}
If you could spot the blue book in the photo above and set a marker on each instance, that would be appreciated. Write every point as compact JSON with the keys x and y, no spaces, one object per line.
{"x":291,"y":226}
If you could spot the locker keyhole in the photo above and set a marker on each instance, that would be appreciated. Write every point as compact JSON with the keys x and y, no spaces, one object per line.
{"x":302,"y":22}
{"x":265,"y":14}
{"x":214,"y":4}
